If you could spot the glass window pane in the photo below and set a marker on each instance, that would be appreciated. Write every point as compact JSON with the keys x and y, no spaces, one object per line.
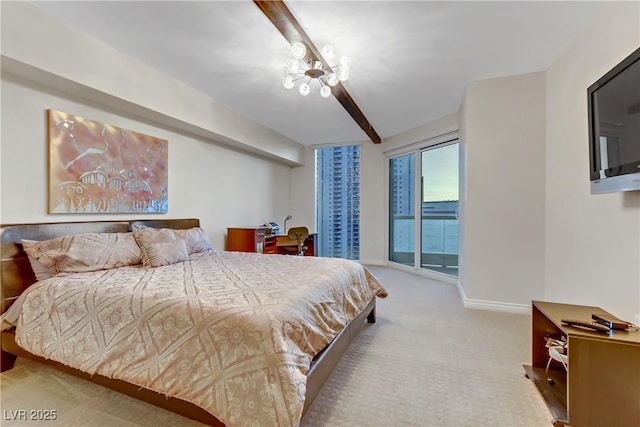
{"x":402,"y":209}
{"x":439,"y":246}
{"x":338,"y":201}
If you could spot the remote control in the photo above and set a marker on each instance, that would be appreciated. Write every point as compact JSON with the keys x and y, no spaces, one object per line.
{"x":610,"y":321}
{"x":595,"y":326}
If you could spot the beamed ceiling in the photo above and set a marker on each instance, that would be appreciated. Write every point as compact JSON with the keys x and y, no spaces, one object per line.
{"x":411,"y":60}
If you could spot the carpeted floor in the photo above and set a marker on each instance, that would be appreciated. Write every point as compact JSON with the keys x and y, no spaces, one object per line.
{"x":426,"y":362}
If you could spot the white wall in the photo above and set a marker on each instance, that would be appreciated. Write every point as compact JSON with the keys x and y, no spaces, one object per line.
{"x":592,"y":241}
{"x":221,"y":186}
{"x":434,"y":129}
{"x":502,"y":208}
{"x":40,"y":47}
{"x":373,"y":204}
{"x":303,"y":191}
{"x":223,"y":168}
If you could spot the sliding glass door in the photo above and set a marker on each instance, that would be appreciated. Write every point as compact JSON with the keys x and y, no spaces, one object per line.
{"x":402,"y":217}
{"x":439,"y":210}
{"x":432,"y":242}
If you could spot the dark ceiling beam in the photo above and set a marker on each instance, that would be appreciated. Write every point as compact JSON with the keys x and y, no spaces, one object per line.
{"x":282,"y":18}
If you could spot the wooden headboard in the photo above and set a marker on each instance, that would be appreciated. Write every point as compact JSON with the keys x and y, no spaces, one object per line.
{"x":15,"y":271}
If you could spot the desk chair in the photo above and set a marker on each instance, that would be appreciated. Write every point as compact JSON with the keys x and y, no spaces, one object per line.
{"x":299,"y":234}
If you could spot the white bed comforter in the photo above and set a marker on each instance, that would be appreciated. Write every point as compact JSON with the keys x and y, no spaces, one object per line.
{"x":231,"y":332}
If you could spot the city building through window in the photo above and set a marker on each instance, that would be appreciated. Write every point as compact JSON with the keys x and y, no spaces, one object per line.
{"x":338,"y":201}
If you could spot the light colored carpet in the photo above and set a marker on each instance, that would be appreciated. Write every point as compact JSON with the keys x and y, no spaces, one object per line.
{"x":426,"y":362}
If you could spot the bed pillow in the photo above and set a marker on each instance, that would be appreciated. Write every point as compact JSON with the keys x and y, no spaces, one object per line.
{"x":161,"y":246}
{"x":196,"y":240}
{"x":40,"y":270}
{"x":86,"y":252}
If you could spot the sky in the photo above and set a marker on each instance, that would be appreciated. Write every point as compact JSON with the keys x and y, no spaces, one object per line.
{"x":440,"y":174}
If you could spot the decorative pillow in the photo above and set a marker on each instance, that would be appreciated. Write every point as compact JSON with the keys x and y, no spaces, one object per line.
{"x":160,"y":246}
{"x":40,"y":270}
{"x":86,"y":252}
{"x":196,"y":240}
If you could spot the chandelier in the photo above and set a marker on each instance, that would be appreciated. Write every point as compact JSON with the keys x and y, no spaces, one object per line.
{"x":299,"y":68}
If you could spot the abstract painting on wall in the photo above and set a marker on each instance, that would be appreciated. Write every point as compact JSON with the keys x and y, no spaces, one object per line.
{"x":98,"y":168}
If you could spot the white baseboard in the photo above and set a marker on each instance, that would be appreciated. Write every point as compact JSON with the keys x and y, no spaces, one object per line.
{"x":497,"y":306}
{"x":477,"y":304}
{"x":461,"y":290}
{"x":373,"y":262}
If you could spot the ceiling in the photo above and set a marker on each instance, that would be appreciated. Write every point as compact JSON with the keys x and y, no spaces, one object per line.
{"x":411,"y":60}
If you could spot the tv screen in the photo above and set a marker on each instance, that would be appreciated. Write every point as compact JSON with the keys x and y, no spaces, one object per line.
{"x":614,"y":128}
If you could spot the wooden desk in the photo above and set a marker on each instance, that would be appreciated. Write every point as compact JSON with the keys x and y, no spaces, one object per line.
{"x":256,"y":239}
{"x":250,"y":239}
{"x":310,"y":242}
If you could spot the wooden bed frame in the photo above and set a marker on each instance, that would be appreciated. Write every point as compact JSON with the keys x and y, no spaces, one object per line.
{"x":16,"y":275}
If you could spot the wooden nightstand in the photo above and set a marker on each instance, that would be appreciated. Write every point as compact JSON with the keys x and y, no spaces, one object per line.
{"x":601,"y":386}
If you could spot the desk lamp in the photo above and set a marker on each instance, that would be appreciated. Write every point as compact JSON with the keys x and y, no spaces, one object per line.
{"x":284,"y":230}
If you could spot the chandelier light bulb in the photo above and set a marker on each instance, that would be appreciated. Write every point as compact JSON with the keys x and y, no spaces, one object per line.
{"x":332,"y":79}
{"x":343,"y":74}
{"x":298,"y":50}
{"x":328,"y":51}
{"x":293,"y":66}
{"x":287,"y":82}
{"x":304,"y":89}
{"x":345,"y":62}
{"x":325,"y":91}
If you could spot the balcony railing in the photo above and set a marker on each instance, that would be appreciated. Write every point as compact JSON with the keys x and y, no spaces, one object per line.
{"x":439,"y":242}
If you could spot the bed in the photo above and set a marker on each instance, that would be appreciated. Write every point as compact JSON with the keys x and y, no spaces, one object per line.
{"x":224,"y":338}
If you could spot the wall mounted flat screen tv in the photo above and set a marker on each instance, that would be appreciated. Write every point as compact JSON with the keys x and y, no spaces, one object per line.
{"x":614,"y":128}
